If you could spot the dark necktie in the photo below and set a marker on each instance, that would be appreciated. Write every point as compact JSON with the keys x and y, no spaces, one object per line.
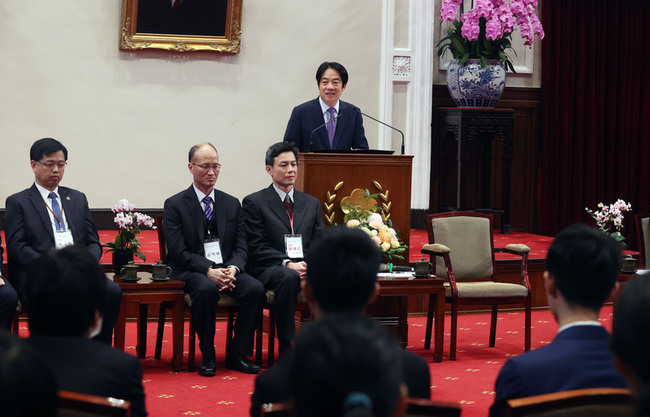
{"x":288,"y":204}
{"x":208,"y":207}
{"x":331,"y":125}
{"x":56,"y":209}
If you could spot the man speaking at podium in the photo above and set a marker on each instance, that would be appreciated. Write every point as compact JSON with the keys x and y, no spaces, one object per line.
{"x":326,"y":122}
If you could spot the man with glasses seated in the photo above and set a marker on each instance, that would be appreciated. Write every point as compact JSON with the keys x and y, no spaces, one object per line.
{"x":206,"y":244}
{"x":47,"y":216}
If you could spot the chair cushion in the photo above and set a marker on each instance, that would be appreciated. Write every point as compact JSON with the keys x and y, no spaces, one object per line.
{"x":270,"y":297}
{"x":487,"y":289}
{"x":469,"y":241}
{"x":227,"y":301}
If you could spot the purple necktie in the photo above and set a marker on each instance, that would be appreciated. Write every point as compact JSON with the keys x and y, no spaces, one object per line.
{"x":331,"y":125}
{"x":208,"y":207}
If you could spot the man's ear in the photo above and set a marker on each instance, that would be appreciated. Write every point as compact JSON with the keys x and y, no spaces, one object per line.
{"x":549,"y":284}
{"x":373,"y":295}
{"x":309,"y":297}
{"x":400,"y":407}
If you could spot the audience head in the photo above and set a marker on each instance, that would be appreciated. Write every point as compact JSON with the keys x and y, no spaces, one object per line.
{"x":282,"y":165}
{"x":27,"y":387}
{"x":204,"y":166}
{"x":342,"y":266}
{"x":66,"y":294}
{"x":630,"y":340}
{"x":584,"y":264}
{"x":331,"y":78}
{"x":346,"y":365}
{"x":277,"y":149}
{"x":48,"y":159}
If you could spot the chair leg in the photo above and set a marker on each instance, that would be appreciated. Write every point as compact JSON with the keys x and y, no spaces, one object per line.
{"x":259,"y":333}
{"x":427,"y":336}
{"x":454,"y":331}
{"x":493,"y":325}
{"x":191,"y":354}
{"x":161,"y":329}
{"x":527,"y":325}
{"x":15,"y":326}
{"x":142,"y":330}
{"x":271,"y":345}
{"x":229,"y":326}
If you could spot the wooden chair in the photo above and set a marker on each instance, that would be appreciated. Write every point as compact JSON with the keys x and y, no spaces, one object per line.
{"x":416,"y":407}
{"x":589,"y":402}
{"x":73,"y":404}
{"x":465,"y":242}
{"x":643,"y":236}
{"x":226,"y":305}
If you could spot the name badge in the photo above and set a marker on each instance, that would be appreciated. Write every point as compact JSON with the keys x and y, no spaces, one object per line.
{"x":63,"y":239}
{"x":293,"y":245}
{"x":212,"y":250}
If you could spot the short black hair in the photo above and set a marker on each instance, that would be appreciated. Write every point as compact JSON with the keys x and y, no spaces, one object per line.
{"x":336,"y":67}
{"x":584,"y":263}
{"x":46,"y":146}
{"x":340,"y":357}
{"x":278,"y":148}
{"x":342,"y":267}
{"x":65,"y":289}
{"x":194,"y":148}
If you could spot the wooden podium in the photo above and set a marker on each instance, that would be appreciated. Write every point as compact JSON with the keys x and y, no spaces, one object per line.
{"x":330,"y":177}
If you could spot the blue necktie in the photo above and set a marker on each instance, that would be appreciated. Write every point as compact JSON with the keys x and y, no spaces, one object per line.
{"x":56,"y":209}
{"x":208,"y":207}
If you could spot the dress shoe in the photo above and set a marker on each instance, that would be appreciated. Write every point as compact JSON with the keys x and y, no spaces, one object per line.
{"x":208,"y":367}
{"x":241,"y":363}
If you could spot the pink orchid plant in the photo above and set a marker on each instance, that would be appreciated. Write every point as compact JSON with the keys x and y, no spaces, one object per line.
{"x":609,"y":219}
{"x":484,"y":32}
{"x":129,"y":223}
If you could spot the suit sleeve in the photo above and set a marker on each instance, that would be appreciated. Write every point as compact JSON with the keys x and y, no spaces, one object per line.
{"x":506,"y":388}
{"x":293,"y":132}
{"x":259,"y":245}
{"x":177,"y":251}
{"x":359,"y":140}
{"x":17,"y":247}
{"x":417,"y":375}
{"x":240,"y":250}
{"x":91,"y":237}
{"x":133,"y":383}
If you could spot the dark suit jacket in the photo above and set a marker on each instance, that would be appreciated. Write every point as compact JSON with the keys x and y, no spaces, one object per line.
{"x":308,"y":116}
{"x":185,"y":232}
{"x":28,"y":228}
{"x":94,"y":368}
{"x":271,"y":386}
{"x":578,"y":358}
{"x":267,"y":223}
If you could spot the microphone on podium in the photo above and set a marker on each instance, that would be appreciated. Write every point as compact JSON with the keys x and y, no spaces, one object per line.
{"x":385,"y":124}
{"x":311,"y":137}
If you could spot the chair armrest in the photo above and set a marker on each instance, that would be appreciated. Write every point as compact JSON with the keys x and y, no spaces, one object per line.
{"x":514,"y":248}
{"x":435,"y":249}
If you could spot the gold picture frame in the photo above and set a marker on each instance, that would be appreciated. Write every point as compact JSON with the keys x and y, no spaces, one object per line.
{"x":144,"y":25}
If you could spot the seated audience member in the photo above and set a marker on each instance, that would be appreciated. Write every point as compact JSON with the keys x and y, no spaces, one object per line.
{"x":582,"y":267}
{"x":341,"y":278}
{"x":346,"y":365}
{"x":8,"y":298}
{"x":27,"y":387}
{"x":631,"y":340}
{"x":67,"y":296}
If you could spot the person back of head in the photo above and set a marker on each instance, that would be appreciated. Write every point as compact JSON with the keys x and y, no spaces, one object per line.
{"x":342,"y":268}
{"x":27,"y":387}
{"x":346,"y":365}
{"x":584,"y":263}
{"x":278,"y":148}
{"x":66,"y":289}
{"x":46,"y":146}
{"x":630,"y":339}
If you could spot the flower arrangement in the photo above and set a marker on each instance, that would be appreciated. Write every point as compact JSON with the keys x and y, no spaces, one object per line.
{"x":484,"y":32}
{"x":364,"y":214}
{"x":129,"y":223}
{"x":609,"y":219}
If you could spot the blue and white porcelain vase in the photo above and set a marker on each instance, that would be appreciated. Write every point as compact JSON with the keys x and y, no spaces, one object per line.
{"x":473,"y":86}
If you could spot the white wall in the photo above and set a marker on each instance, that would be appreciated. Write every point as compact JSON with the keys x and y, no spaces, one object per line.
{"x":129,"y":118}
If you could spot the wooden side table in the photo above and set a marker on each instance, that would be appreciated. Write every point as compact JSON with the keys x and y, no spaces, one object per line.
{"x":143,"y":292}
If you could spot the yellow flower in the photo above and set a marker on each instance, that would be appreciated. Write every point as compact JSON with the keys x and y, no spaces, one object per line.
{"x":353,"y":223}
{"x":384,"y":246}
{"x":394,"y":244}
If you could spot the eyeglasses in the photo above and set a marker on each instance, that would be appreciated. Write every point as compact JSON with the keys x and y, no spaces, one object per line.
{"x":52,"y":164}
{"x":207,"y":167}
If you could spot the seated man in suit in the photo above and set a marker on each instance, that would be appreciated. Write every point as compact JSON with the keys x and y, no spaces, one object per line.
{"x":327,"y":122}
{"x":280,"y":225}
{"x":47,"y":216}
{"x":8,"y":298}
{"x":206,"y":242}
{"x":341,"y":278}
{"x":582,"y":267}
{"x":66,"y":297}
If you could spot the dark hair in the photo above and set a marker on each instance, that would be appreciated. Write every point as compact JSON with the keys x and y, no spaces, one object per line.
{"x":65,"y":289}
{"x":584,"y":263}
{"x":194,"y":148}
{"x":46,"y":146}
{"x":345,"y":365}
{"x":278,"y":148}
{"x":27,"y":386}
{"x":336,"y":67}
{"x":342,"y":266}
{"x":630,"y":339}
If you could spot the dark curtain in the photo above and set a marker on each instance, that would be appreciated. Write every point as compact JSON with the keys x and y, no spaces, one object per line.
{"x":596,"y":110}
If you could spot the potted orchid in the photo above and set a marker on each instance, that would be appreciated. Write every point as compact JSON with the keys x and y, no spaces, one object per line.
{"x":126,"y":244}
{"x":609,"y":218}
{"x":478,"y":41}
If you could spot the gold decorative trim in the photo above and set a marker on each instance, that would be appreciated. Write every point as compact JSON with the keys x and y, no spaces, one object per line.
{"x":329,"y":203}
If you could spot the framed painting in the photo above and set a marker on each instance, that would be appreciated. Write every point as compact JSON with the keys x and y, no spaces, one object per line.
{"x":181,"y":25}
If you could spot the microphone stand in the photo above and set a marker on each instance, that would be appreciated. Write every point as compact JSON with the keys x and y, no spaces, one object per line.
{"x":387,"y":125}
